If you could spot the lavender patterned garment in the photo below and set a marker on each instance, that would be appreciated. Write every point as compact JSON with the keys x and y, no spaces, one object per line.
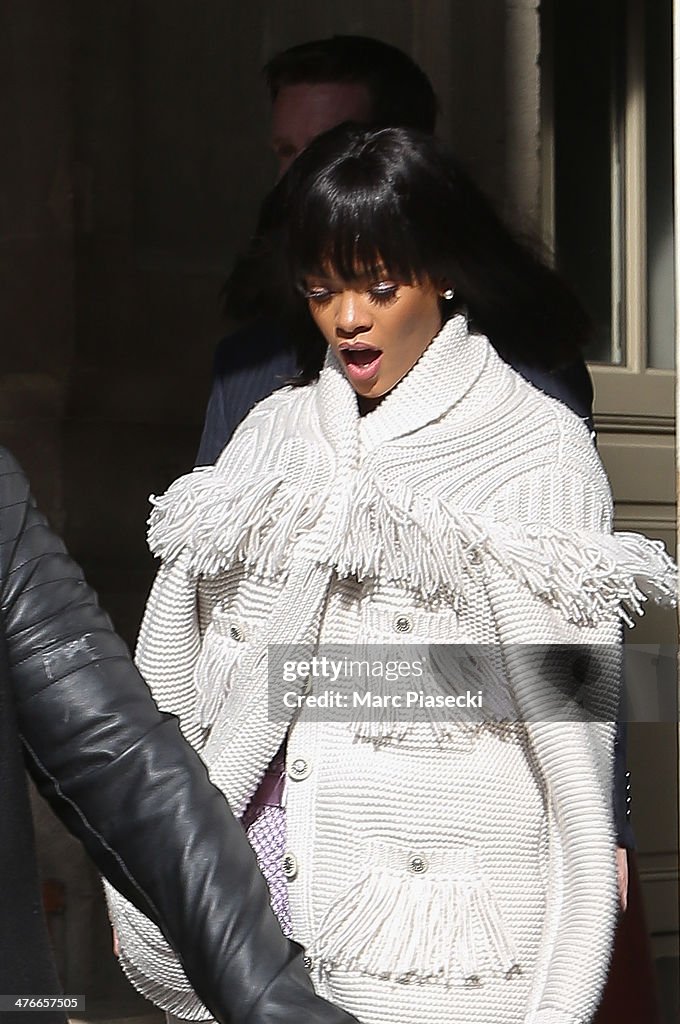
{"x":267,"y":836}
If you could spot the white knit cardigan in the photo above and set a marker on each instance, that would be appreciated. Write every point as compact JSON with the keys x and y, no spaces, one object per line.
{"x":435,"y":874}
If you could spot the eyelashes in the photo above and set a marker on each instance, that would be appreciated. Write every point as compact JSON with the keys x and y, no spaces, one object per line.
{"x":319,"y":296}
{"x":381,"y":294}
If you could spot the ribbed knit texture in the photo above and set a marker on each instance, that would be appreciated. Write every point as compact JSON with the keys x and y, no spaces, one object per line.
{"x":452,"y":875}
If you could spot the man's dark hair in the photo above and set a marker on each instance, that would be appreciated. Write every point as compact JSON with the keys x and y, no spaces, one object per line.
{"x":402,"y":96}
{"x":401,"y":93}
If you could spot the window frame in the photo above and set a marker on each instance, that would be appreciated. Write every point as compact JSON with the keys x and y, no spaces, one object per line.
{"x":630,"y":395}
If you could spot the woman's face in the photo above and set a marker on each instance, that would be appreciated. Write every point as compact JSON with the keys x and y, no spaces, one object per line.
{"x":377,"y":327}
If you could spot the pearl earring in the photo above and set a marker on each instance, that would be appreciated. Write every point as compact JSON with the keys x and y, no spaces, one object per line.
{"x":448,"y":294}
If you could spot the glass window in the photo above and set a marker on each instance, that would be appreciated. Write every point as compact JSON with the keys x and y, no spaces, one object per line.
{"x":609,"y":68}
{"x":587,"y":182}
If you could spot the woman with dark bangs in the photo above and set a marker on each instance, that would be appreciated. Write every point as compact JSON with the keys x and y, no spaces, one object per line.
{"x":413,"y":489}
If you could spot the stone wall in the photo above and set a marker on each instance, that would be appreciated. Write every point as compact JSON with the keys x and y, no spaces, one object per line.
{"x":37,"y":259}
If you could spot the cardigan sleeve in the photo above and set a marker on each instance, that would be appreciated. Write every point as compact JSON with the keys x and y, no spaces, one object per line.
{"x":167,"y":649}
{"x":169,"y":643}
{"x":564,"y":676}
{"x":575,"y":760}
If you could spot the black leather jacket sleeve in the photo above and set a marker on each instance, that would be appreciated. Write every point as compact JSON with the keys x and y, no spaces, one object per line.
{"x":122,"y":778}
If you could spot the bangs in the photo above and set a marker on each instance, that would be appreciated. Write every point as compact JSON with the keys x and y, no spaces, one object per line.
{"x":354,"y":234}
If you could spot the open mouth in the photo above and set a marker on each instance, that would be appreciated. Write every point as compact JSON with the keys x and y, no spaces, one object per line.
{"x":362,"y":361}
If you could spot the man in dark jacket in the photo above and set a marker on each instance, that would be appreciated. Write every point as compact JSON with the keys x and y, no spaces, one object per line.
{"x":124,"y":781}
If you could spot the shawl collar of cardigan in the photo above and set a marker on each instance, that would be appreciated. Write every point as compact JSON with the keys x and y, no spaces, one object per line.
{"x":444,"y":374}
{"x":296,"y":486}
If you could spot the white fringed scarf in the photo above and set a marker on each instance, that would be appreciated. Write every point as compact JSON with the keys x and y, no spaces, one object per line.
{"x":424,"y":544}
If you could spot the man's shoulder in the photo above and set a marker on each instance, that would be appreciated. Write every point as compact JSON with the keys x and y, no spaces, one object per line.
{"x":571,"y":385}
{"x":249,"y":346}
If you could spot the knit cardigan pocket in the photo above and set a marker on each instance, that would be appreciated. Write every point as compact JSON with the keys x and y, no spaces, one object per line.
{"x":411,"y":918}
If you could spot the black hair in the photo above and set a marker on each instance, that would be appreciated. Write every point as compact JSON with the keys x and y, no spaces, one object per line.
{"x":401,"y":93}
{"x":360,"y":199}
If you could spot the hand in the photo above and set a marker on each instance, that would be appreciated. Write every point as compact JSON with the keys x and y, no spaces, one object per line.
{"x":114,"y":939}
{"x":622,"y":875}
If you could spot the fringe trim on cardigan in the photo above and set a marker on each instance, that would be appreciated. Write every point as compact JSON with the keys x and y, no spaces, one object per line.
{"x":216,"y":668}
{"x":450,"y":930}
{"x":424,"y":544}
